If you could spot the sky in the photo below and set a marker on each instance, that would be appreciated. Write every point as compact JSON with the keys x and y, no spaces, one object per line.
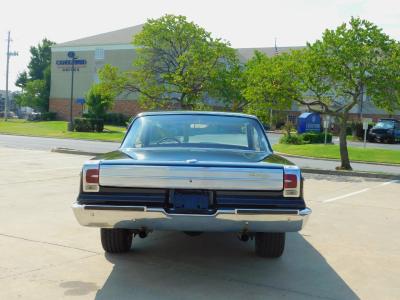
{"x":250,"y":23}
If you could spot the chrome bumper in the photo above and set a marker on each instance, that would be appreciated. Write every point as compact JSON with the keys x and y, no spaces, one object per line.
{"x":137,"y":217}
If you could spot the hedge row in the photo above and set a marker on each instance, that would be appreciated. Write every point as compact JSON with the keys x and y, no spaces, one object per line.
{"x":88,"y":125}
{"x":117,"y":119}
{"x":306,"y":138}
{"x":44,"y":116}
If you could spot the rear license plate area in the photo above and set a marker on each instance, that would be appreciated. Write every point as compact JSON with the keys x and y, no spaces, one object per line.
{"x":190,"y":201}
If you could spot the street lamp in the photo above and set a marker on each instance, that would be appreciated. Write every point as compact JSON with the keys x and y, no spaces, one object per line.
{"x":72,"y":56}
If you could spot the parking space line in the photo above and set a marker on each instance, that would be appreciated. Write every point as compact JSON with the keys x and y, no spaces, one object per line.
{"x":346,"y":195}
{"x":359,"y":192}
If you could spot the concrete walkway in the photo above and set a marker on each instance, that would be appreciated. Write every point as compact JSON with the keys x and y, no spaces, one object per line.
{"x":331,"y":165}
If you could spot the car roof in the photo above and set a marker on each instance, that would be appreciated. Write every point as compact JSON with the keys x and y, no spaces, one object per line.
{"x":209,"y":113}
{"x":388,"y":119}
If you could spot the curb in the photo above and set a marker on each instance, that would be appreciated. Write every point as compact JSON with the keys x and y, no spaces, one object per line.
{"x":73,"y":151}
{"x":351,"y":173}
{"x":59,"y":138}
{"x":337,"y":160}
{"x":304,"y":170}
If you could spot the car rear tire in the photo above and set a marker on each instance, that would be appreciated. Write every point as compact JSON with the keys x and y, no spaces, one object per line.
{"x":116,"y":240}
{"x":269,"y":244}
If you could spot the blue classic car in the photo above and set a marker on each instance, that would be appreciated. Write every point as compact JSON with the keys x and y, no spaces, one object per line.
{"x":193,"y":172}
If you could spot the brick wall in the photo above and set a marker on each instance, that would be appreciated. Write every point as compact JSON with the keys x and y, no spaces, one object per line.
{"x":131,"y":108}
{"x":61,"y":107}
{"x":127,"y":107}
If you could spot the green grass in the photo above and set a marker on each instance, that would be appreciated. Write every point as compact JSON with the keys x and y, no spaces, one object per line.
{"x":332,"y":151}
{"x":58,"y":129}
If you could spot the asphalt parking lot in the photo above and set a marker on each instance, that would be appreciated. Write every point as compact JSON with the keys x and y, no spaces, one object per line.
{"x":348,"y":250}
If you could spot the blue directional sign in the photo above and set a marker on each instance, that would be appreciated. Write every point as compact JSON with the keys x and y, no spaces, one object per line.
{"x":80,"y":101}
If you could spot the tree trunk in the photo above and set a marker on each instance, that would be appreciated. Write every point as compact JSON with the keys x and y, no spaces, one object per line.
{"x":344,"y":154}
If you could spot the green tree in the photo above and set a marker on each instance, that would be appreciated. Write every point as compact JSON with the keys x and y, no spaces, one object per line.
{"x":35,"y":83}
{"x":331,"y":74}
{"x":175,"y":65}
{"x":99,"y":101}
{"x":227,"y":85}
{"x":22,"y":80}
{"x":33,"y":94}
{"x":269,"y":83}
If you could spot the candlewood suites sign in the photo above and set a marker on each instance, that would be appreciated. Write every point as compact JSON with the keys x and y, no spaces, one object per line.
{"x":66,"y":64}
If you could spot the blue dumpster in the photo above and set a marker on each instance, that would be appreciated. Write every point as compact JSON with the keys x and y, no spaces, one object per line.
{"x":309,"y":122}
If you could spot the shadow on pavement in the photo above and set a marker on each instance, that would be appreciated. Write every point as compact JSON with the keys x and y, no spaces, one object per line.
{"x":218,"y":266}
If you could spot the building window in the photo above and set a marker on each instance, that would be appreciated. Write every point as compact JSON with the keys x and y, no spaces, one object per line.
{"x":99,"y":53}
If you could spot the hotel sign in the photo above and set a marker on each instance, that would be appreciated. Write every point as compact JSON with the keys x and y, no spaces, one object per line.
{"x":66,"y":64}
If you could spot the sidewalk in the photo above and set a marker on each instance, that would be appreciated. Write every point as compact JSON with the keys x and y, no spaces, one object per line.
{"x":93,"y":147}
{"x":331,"y":165}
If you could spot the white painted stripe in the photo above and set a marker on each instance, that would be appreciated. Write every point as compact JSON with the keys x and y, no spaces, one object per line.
{"x":389,"y":182}
{"x":359,"y":192}
{"x":347,"y":195}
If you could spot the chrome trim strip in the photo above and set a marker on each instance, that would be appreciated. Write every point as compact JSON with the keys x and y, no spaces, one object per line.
{"x":188,"y":177}
{"x":136,"y":217}
{"x":111,"y":207}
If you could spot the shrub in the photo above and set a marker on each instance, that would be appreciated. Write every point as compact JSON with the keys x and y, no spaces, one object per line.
{"x":99,"y":101}
{"x":82,"y":125}
{"x":117,"y":119}
{"x":356,"y":130}
{"x":48,"y":116}
{"x":316,"y":138}
{"x":279,"y":124}
{"x":293,"y":139}
{"x":306,"y":138}
{"x":98,"y":125}
{"x":129,"y":121}
{"x":88,"y":125}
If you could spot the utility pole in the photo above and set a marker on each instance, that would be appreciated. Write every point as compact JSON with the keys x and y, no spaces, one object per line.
{"x":7,"y":70}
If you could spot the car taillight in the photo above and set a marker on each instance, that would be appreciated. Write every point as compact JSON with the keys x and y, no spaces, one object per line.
{"x":92,"y":176}
{"x":290,"y":181}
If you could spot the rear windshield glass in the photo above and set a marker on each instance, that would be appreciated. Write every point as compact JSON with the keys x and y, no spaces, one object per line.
{"x":201,"y":131}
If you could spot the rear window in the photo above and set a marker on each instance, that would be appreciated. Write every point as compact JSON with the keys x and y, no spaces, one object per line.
{"x":201,"y":131}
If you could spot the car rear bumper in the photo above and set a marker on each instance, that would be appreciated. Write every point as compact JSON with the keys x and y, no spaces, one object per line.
{"x":149,"y":218}
{"x":380,"y":136}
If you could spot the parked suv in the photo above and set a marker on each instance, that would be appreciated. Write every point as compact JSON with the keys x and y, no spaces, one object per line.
{"x":386,"y":130}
